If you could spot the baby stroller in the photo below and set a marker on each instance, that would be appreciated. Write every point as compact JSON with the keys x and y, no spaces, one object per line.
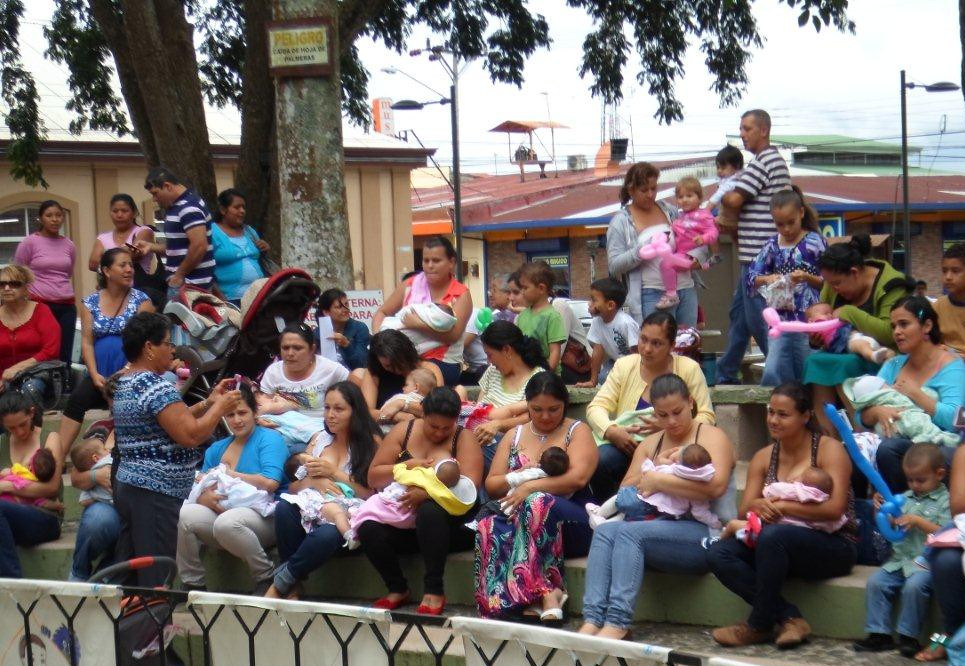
{"x":269,"y":305}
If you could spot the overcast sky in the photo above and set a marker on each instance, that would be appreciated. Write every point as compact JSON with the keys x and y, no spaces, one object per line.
{"x":811,"y":83}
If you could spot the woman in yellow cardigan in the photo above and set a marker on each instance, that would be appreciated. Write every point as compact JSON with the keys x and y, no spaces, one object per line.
{"x":627,"y":389}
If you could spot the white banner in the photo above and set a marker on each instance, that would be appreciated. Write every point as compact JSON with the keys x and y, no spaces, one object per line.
{"x":364,"y":304}
{"x":49,"y":639}
{"x":278,"y":619}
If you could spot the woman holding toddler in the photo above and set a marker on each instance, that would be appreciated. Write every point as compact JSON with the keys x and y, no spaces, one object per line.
{"x":621,"y":548}
{"x":808,"y":530}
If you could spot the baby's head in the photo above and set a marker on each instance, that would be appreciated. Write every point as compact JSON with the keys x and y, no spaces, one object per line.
{"x":554,"y":461}
{"x":694,"y":456}
{"x":293,"y":463}
{"x":445,"y":308}
{"x":819,"y":312}
{"x":419,"y":381}
{"x":272,"y":403}
{"x":85,"y":454}
{"x":815,"y":477}
{"x":43,"y":465}
{"x":729,"y":161}
{"x":447,"y":471}
{"x":924,"y":467}
{"x":689,"y":194}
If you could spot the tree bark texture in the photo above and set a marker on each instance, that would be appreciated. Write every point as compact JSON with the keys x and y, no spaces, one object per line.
{"x":154,"y":50}
{"x":253,"y":174}
{"x":314,"y":219}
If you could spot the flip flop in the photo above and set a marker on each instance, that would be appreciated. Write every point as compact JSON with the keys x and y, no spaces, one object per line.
{"x":554,"y":614}
{"x":935,"y":650}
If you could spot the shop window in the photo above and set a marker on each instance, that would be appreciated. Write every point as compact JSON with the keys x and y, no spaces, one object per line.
{"x":18,"y":222}
{"x":560,"y":263}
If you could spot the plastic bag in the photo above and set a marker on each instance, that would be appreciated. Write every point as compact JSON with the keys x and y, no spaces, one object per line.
{"x":779,"y":294}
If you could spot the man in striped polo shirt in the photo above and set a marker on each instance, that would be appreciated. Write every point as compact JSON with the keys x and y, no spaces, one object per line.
{"x":188,"y":257}
{"x":749,"y":205}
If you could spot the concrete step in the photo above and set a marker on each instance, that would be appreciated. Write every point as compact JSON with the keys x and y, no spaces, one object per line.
{"x":835,"y":608}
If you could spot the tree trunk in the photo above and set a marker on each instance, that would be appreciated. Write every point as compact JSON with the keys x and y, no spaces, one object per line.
{"x":162,"y":57}
{"x":314,"y":221}
{"x":253,"y":175}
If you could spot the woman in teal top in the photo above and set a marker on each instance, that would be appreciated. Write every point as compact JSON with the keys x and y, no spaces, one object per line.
{"x":236,"y":247}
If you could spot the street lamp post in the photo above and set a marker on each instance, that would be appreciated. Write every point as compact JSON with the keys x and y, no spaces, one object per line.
{"x":941,"y":86}
{"x":436,"y":53}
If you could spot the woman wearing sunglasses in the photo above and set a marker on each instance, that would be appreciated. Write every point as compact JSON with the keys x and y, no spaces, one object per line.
{"x":29,"y":333}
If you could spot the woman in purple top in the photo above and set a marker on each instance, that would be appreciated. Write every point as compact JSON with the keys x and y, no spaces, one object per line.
{"x":51,"y":258}
{"x":793,"y":252}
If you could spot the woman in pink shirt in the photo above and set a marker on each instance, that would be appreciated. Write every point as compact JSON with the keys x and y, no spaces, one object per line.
{"x":51,"y":258}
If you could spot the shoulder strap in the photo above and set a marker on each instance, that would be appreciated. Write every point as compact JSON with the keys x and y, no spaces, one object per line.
{"x":697,"y":434}
{"x":569,"y":434}
{"x":519,"y":431}
{"x":771,"y":475}
{"x":455,"y":439}
{"x":659,"y":444}
{"x":408,"y":433}
{"x":815,"y":443}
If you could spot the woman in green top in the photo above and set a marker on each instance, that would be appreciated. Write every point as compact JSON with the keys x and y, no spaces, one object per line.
{"x":862,"y":292}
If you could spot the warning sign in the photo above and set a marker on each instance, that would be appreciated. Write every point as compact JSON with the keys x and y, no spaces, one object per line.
{"x":300,"y":48}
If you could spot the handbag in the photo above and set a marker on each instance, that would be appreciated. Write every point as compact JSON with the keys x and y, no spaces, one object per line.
{"x":54,"y":374}
{"x":268,"y":265}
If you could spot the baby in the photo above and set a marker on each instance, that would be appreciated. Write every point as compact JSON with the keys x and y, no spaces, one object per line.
{"x":730,"y":165}
{"x":437,"y":316}
{"x":417,"y":385}
{"x":442,"y":480}
{"x":814,"y":486}
{"x":41,"y":468}
{"x":89,"y":456}
{"x":695,"y":465}
{"x":299,"y":430}
{"x":846,"y":339}
{"x":554,"y":462}
{"x":319,"y":507}
{"x":695,"y":234}
{"x":912,"y":423}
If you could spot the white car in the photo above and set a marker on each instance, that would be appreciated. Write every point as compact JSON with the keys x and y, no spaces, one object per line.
{"x":582,"y":311}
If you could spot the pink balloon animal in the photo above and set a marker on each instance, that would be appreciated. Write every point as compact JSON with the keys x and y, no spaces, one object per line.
{"x":657,"y":247}
{"x":777,"y":327}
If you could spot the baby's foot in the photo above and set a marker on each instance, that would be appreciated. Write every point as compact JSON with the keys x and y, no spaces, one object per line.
{"x":881,"y":355}
{"x":351,"y":540}
{"x":668,"y":301}
{"x":595,"y":517}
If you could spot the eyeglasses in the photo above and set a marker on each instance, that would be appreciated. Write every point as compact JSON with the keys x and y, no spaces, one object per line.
{"x":13,"y":284}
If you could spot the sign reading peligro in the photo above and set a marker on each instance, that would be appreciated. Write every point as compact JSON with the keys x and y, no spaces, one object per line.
{"x":300,"y":47}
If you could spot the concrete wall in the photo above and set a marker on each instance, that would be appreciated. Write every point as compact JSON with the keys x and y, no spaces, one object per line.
{"x":379,"y":210}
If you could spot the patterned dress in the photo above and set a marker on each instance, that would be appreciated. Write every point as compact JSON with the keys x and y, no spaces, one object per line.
{"x":777,"y":259}
{"x":519,"y":559}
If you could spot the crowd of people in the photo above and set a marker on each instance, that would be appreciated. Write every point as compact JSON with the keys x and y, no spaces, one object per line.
{"x":388,"y":449}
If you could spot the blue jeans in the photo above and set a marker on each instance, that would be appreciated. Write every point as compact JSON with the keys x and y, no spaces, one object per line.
{"x":100,"y":525}
{"x":22,"y":525}
{"x":949,"y":584}
{"x":610,"y":469}
{"x":614,"y":569}
{"x":746,"y":320}
{"x":883,"y":587}
{"x":785,"y":358}
{"x":300,"y":552}
{"x":632,"y":507}
{"x":686,"y":311}
{"x":757,"y":575}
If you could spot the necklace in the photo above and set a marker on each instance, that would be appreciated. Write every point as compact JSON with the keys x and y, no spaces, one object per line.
{"x":542,"y":437}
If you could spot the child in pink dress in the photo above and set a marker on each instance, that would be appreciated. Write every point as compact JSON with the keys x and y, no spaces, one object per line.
{"x":696,"y":236}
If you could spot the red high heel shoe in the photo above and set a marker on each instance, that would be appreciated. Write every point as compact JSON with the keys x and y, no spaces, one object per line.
{"x":424,"y":609}
{"x":388,"y":604}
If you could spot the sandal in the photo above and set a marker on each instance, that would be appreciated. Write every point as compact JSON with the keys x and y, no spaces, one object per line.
{"x":935,"y":650}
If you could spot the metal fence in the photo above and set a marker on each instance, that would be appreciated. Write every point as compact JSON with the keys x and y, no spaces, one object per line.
{"x":102,"y":624}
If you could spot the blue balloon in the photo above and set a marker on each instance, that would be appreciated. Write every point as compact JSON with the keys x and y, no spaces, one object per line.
{"x":893,"y":504}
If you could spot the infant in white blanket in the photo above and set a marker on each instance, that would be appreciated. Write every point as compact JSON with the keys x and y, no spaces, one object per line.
{"x":437,"y":316}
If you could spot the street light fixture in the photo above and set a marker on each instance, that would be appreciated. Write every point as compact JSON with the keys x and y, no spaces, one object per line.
{"x":437,"y":53}
{"x":940,"y":86}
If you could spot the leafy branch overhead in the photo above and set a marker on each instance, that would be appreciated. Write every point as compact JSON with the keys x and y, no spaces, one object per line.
{"x":103,"y":41}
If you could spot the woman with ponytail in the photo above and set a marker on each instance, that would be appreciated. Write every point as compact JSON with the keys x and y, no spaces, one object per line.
{"x":792,"y":253}
{"x":513,"y":359}
{"x":862,"y":292}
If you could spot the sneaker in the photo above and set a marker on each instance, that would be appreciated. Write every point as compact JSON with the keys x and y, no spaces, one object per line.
{"x":707,"y":542}
{"x":908,"y":646}
{"x":714,"y":260}
{"x":741,"y":634}
{"x":793,"y":632}
{"x":668,"y":301}
{"x":351,"y":540}
{"x":922,"y":563}
{"x":874,"y":643}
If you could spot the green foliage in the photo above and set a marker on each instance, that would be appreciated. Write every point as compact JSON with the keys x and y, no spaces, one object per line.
{"x":19,"y":93}
{"x":502,"y":34}
{"x":74,"y":40}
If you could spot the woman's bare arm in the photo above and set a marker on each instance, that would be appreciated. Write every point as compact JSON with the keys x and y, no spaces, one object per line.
{"x":386,"y":456}
{"x":722,"y":457}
